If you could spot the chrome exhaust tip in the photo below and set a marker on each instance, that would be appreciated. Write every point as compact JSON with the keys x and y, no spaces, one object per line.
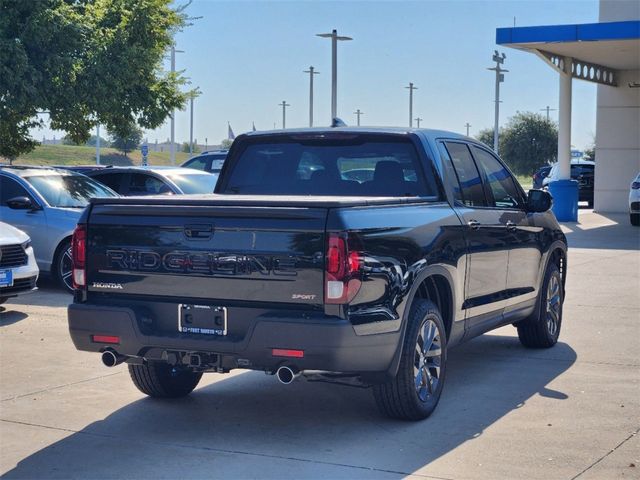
{"x":111,"y":358}
{"x":286,"y":375}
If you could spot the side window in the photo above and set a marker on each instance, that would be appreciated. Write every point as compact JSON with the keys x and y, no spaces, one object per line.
{"x":142,"y":184}
{"x":501,"y":183}
{"x":9,"y":189}
{"x":451,"y":178}
{"x":199,"y":163}
{"x":468,"y":175}
{"x":111,"y":180}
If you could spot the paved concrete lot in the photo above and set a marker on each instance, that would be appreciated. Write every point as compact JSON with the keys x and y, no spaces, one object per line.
{"x":506,"y":412}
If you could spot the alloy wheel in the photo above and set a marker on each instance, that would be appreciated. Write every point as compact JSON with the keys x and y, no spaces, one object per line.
{"x":553,"y":305}
{"x":428,"y":359}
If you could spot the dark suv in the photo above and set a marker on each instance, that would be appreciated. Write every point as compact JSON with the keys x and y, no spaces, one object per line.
{"x":211,"y":161}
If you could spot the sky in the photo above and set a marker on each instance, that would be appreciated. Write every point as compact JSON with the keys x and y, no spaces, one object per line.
{"x":247,"y":57}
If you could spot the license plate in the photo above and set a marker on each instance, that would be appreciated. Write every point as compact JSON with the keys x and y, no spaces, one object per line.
{"x":6,"y":278}
{"x":202,"y":319}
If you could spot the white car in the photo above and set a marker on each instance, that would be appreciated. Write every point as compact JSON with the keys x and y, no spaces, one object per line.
{"x":18,"y":269}
{"x":634,"y":201}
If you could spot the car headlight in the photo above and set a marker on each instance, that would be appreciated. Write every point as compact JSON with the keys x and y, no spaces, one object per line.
{"x":26,"y":245}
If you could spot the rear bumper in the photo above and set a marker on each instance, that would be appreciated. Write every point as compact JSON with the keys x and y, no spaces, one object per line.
{"x":329,"y":343}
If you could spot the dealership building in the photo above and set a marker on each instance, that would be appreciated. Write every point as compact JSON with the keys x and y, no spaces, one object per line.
{"x":608,"y":54}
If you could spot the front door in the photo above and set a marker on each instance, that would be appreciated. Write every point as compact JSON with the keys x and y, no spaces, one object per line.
{"x":32,"y":222}
{"x":487,"y":241}
{"x":524,"y":236}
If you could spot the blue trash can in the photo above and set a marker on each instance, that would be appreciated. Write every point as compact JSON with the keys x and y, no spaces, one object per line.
{"x":565,"y":200}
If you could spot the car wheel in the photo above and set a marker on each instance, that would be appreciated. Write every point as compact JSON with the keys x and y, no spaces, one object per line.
{"x":161,"y":380}
{"x":64,"y":266}
{"x":634,"y":218}
{"x":415,"y":390}
{"x":542,"y":329}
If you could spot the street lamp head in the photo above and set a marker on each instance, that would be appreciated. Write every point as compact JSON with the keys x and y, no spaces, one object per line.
{"x":333,"y":34}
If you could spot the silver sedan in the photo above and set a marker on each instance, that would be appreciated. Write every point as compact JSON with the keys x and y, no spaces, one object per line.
{"x":46,"y":203}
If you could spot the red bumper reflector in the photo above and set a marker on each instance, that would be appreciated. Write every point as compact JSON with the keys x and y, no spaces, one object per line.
{"x":105,"y":339}
{"x":281,"y":352}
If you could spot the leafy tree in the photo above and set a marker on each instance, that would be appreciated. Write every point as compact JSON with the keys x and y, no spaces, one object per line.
{"x":93,"y":140}
{"x":185,"y":147}
{"x":590,"y":153}
{"x":225,"y":144}
{"x":486,"y":136}
{"x":129,"y":141}
{"x":83,"y":62}
{"x":526,"y":142}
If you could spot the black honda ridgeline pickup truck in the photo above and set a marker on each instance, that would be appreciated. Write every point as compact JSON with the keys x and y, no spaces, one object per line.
{"x":350,"y":255}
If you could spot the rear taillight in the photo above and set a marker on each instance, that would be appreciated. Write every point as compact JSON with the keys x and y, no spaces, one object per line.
{"x":635,"y":186}
{"x":79,"y":256}
{"x":343,"y":270}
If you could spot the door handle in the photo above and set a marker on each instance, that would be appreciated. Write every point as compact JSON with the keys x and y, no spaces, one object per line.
{"x":511,"y":226}
{"x":473,"y":224}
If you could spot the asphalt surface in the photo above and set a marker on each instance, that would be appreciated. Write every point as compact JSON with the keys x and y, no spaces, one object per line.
{"x":506,"y":412}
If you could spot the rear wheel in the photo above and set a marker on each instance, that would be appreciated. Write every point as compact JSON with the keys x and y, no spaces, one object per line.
{"x":634,"y":218}
{"x":161,"y":380}
{"x":415,"y":391}
{"x":542,"y":329}
{"x":63,"y":266}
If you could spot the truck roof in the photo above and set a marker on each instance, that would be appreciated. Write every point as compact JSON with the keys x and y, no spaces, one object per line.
{"x":424,"y":132}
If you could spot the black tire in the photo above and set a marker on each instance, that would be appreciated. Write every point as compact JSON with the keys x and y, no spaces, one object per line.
{"x":542,"y":329}
{"x":62,"y":266}
{"x":634,"y":218}
{"x":161,"y":380}
{"x":401,"y":397}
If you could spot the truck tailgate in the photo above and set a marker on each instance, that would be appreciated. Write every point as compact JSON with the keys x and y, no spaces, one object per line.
{"x":214,"y":252}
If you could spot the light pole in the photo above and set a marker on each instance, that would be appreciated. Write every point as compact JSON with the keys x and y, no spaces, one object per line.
{"x":357,"y":113}
{"x":311,"y":73}
{"x":548,"y":110}
{"x":172,"y":147}
{"x":418,"y":120}
{"x":468,"y":126}
{"x":193,"y":94}
{"x":284,"y":113}
{"x":98,"y":144}
{"x":499,"y":59}
{"x":334,"y":68}
{"x":411,"y":89}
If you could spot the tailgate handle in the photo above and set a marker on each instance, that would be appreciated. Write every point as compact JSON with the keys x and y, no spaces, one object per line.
{"x":198,"y":231}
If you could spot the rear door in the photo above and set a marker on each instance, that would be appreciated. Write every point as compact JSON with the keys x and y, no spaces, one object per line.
{"x":215,"y":253}
{"x":486,"y":237}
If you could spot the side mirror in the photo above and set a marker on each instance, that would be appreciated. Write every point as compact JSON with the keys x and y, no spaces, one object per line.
{"x":21,"y":203}
{"x":539,"y":201}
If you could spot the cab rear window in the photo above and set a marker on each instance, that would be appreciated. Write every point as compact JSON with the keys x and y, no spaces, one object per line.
{"x":330,"y":167}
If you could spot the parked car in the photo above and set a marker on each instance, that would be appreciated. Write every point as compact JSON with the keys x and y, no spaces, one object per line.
{"x":211,"y":161}
{"x":356,"y":283}
{"x":540,"y":175}
{"x":634,"y":201}
{"x":583,"y":171}
{"x":46,"y":203}
{"x":128,"y":181}
{"x":18,"y":268}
